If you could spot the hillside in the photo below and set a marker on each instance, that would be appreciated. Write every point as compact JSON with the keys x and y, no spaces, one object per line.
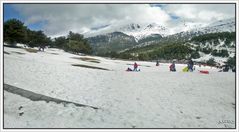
{"x":111,"y":42}
{"x":220,"y":46}
{"x":151,"y":98}
{"x":134,"y":36}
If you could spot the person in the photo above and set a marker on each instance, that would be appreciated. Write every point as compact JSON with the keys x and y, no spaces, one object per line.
{"x":172,"y":67}
{"x":135,"y":66}
{"x":200,"y":64}
{"x":41,"y":48}
{"x":226,"y":68}
{"x":234,"y":69}
{"x":129,"y":69}
{"x":190,"y":65}
{"x":157,"y":63}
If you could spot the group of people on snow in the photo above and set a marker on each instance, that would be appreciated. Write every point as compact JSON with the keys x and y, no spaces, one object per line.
{"x":135,"y":68}
{"x":190,"y":66}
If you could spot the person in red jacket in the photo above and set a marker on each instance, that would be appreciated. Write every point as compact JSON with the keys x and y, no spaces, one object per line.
{"x":172,"y":67}
{"x":135,"y":66}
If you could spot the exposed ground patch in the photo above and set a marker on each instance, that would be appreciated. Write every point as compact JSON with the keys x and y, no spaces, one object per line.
{"x":54,"y":53}
{"x":39,"y":97}
{"x":88,"y":59}
{"x":6,"y":53}
{"x":92,"y":67}
{"x":12,"y":46}
{"x":31,"y":50}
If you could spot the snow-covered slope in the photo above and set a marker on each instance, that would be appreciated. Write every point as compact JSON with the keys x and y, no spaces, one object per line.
{"x":152,"y":98}
{"x":142,"y":31}
{"x":227,"y":25}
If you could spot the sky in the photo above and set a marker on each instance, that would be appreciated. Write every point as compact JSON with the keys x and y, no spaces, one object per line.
{"x":58,"y":19}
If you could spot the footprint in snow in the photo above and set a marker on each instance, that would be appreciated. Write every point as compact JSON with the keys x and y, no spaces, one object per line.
{"x":20,"y":111}
{"x":198,"y":117}
{"x":20,"y":107}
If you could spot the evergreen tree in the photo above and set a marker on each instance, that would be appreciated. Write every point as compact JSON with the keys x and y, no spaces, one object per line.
{"x":60,"y":42}
{"x":37,"y":38}
{"x":14,"y":31}
{"x":77,"y":44}
{"x":231,"y":62}
{"x":211,"y":62}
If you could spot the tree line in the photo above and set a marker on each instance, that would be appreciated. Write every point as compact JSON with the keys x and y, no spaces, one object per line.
{"x":14,"y":31}
{"x":166,"y":51}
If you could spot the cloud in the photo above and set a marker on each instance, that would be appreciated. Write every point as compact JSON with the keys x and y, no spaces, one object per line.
{"x":193,"y":15}
{"x":202,"y":12}
{"x":61,"y":18}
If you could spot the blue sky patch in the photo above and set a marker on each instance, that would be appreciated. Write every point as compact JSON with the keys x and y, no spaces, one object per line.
{"x":37,"y":26}
{"x":174,"y":17}
{"x":162,"y":6}
{"x":10,"y":12}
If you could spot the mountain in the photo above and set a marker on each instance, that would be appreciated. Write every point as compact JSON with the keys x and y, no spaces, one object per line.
{"x":143,"y":31}
{"x":133,"y":36}
{"x":124,"y":37}
{"x":217,"y":46}
{"x":227,"y":25}
{"x":138,"y":31}
{"x":111,"y":42}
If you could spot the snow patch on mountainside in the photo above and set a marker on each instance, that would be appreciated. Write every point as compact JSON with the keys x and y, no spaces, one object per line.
{"x":227,"y":25}
{"x":138,"y":31}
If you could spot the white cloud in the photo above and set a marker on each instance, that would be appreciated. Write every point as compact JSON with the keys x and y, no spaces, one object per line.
{"x":202,"y":12}
{"x":62,"y":18}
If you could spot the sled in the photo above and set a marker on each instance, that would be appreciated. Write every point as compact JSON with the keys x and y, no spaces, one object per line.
{"x":204,"y":71}
{"x":130,"y":70}
{"x":185,"y":69}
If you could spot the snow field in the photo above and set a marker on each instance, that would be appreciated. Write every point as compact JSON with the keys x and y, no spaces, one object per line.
{"x":152,"y":98}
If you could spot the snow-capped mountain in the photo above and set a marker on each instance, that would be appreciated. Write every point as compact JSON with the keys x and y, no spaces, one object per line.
{"x":153,"y":33}
{"x":227,"y":25}
{"x":222,"y":25}
{"x":144,"y":30}
{"x":138,"y":31}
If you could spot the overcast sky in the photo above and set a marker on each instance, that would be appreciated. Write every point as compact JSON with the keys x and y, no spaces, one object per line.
{"x":59,"y":19}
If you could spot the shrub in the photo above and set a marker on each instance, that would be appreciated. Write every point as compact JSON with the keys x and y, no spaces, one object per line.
{"x":211,"y":62}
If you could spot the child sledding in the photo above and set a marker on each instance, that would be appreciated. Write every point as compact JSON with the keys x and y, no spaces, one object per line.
{"x":136,"y":69}
{"x":189,"y":67}
{"x":172,"y":67}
